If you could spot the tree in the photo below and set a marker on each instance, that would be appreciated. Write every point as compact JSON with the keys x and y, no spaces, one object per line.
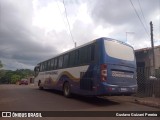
{"x":9,"y":76}
{"x":2,"y":72}
{"x":15,"y":78}
{"x":1,"y":65}
{"x":2,"y":75}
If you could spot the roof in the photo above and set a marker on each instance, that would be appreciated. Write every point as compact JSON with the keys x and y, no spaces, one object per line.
{"x":147,"y":48}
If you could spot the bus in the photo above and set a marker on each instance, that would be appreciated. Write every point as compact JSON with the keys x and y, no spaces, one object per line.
{"x":101,"y":67}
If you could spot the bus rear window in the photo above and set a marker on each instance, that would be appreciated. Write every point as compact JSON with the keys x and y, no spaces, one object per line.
{"x":119,"y":51}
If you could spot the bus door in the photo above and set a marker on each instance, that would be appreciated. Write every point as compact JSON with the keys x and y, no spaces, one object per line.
{"x":86,"y":80}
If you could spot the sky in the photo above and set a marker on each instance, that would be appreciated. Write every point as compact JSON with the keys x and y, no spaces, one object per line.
{"x":34,"y":30}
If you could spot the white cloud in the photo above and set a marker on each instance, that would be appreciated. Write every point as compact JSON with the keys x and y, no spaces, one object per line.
{"x":48,"y":17}
{"x":12,"y":64}
{"x":100,"y":31}
{"x":83,"y":14}
{"x":35,"y":30}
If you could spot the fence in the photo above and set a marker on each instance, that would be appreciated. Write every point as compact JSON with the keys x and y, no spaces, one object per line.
{"x":147,"y":87}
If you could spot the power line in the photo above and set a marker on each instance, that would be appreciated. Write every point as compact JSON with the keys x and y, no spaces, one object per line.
{"x":68,"y":24}
{"x":142,"y":13}
{"x":155,"y":38}
{"x":159,"y":17}
{"x":139,"y":17}
{"x":62,"y":16}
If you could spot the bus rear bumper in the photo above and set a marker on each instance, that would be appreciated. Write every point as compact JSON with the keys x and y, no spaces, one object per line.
{"x":118,"y":90}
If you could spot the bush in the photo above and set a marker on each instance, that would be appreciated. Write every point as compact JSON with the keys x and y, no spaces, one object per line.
{"x":15,"y":79}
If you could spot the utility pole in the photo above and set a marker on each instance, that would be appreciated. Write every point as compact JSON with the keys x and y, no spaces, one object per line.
{"x":152,"y":44}
{"x":75,"y":44}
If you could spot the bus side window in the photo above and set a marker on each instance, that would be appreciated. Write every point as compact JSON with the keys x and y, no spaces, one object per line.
{"x":88,"y":53}
{"x":60,"y":62}
{"x":52,"y":64}
{"x":65,"y":61}
{"x":45,"y":66}
{"x":92,"y":52}
{"x":83,"y":55}
{"x":72,"y":59}
{"x":55,"y":63}
{"x":76,"y":57}
{"x":80,"y":56}
{"x":41,"y":67}
{"x":49,"y":65}
{"x":36,"y":71}
{"x":86,"y":60}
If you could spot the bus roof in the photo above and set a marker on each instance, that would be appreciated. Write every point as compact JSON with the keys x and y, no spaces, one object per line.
{"x":93,"y":41}
{"x":111,"y":39}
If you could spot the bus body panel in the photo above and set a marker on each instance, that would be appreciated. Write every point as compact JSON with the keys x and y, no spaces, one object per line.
{"x":86,"y":79}
{"x":51,"y":78}
{"x":121,"y":74}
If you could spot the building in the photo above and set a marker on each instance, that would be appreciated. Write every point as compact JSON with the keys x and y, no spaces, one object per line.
{"x":144,"y":59}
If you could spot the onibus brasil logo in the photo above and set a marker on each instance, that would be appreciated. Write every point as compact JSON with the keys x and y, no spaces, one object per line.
{"x":21,"y":114}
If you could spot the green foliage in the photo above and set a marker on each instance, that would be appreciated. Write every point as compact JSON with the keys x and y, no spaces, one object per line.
{"x":1,"y":65}
{"x":2,"y":73}
{"x":8,"y":76}
{"x":15,"y":78}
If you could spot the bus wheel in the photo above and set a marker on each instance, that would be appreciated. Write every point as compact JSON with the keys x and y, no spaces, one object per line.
{"x":67,"y":89}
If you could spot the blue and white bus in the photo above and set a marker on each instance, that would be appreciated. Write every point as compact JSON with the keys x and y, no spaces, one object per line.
{"x":102,"y":67}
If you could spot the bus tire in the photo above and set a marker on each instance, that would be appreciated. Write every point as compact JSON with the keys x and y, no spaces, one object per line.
{"x":67,"y":90}
{"x":39,"y":85}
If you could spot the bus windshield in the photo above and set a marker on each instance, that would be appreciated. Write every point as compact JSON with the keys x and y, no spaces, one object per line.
{"x":119,"y":51}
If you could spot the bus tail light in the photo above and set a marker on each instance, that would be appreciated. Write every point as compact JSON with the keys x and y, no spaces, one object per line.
{"x":103,"y":72}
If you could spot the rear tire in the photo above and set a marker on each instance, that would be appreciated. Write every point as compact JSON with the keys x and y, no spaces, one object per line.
{"x":67,"y":90}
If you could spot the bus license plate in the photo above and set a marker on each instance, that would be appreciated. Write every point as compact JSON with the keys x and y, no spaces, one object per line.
{"x":123,"y":89}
